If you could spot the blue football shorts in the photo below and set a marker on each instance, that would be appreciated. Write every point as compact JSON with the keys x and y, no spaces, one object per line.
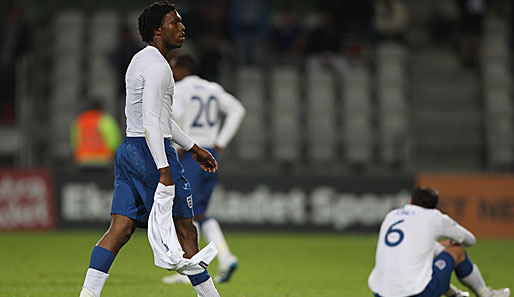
{"x":202,"y":183}
{"x":136,"y":177}
{"x":442,"y":269}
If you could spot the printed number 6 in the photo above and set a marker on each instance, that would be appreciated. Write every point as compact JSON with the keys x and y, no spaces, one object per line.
{"x":392,"y":230}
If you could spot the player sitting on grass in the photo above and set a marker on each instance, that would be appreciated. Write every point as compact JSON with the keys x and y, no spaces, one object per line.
{"x":407,"y":242}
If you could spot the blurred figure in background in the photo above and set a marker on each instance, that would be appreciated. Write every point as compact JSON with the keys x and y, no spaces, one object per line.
{"x":126,"y":49}
{"x":211,"y":56}
{"x":121,"y":56}
{"x":213,"y":38}
{"x":197,"y":107}
{"x":249,"y":29}
{"x":472,"y":14}
{"x":356,"y":21}
{"x":95,"y":136}
{"x":14,"y":42}
{"x":390,"y":20}
{"x":325,"y":43}
{"x":286,"y":41}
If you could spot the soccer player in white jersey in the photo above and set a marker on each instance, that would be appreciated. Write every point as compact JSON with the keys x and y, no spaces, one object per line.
{"x":407,"y":243}
{"x":197,"y":107}
{"x":146,"y":157}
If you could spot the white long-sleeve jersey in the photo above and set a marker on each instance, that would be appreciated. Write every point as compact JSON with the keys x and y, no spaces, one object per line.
{"x":149,"y":83}
{"x":404,"y":256}
{"x":198,"y":106}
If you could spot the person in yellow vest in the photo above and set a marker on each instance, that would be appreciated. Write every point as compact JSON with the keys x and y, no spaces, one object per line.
{"x":95,"y":136}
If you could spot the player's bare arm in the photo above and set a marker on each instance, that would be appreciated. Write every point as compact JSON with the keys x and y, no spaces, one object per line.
{"x":165,"y":177}
{"x":180,"y":151}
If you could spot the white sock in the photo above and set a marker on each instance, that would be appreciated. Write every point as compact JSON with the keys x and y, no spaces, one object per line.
{"x":206,"y":289}
{"x":212,"y":231}
{"x":452,"y":291}
{"x":95,"y":281}
{"x":475,"y":282}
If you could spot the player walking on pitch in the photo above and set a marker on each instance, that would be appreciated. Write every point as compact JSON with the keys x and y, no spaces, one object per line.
{"x":145,"y":161}
{"x":197,"y":108}
{"x":407,"y":243}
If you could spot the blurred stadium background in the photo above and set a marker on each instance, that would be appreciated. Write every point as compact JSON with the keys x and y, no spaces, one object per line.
{"x":349,"y":105}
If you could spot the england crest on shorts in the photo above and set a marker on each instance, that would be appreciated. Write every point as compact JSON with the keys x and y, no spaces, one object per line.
{"x":441,"y":264}
{"x":190,"y":201}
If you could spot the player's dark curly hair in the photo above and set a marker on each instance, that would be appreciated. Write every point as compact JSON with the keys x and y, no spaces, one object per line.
{"x":188,"y":62}
{"x":425,"y":197}
{"x":152,"y":17}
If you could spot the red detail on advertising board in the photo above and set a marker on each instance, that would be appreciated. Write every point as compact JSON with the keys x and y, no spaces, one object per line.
{"x":26,"y":200}
{"x":482,"y":203}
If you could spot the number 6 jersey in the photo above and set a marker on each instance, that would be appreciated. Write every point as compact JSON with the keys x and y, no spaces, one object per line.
{"x":198,"y":106}
{"x":405,"y":249}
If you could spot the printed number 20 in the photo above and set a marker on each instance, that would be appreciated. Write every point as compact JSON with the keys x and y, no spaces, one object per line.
{"x":392,"y":230}
{"x":206,"y":108}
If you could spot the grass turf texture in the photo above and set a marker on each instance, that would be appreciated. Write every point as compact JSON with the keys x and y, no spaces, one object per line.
{"x":274,"y":265}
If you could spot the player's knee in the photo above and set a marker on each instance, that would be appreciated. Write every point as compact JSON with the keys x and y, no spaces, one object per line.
{"x":199,"y":218}
{"x":458,"y":253}
{"x":122,"y":231}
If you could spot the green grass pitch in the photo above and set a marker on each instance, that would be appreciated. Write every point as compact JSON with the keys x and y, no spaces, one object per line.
{"x":271,"y":264}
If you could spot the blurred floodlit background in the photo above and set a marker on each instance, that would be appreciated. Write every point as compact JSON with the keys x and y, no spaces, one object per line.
{"x":349,"y":104}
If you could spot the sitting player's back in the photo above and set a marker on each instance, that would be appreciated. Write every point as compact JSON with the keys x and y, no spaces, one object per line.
{"x":410,"y":261}
{"x":403,"y":263}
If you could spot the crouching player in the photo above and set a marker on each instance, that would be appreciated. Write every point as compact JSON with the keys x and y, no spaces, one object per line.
{"x":407,"y":243}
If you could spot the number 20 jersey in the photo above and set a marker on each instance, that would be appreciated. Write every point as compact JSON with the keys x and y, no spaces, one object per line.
{"x":405,"y":249}
{"x":198,"y":107}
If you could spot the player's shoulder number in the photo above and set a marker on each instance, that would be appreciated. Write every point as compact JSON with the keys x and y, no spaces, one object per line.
{"x":394,"y":235}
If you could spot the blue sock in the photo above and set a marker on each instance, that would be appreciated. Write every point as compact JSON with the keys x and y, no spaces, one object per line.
{"x":464,"y":269}
{"x":199,"y":278}
{"x":101,"y":259}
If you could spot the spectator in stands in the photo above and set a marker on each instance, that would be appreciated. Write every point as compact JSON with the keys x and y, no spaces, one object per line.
{"x":471,"y":19}
{"x":94,"y":137}
{"x":14,"y":43}
{"x":248,"y":29}
{"x":512,"y":25}
{"x":214,"y":14}
{"x":211,"y":55}
{"x":209,"y":31}
{"x":121,"y":58}
{"x":286,"y":42}
{"x":390,"y":20}
{"x":506,"y":9}
{"x":128,"y":46}
{"x":356,"y":21}
{"x":324,"y":46}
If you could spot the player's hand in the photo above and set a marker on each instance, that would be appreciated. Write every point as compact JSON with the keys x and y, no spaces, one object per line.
{"x":204,"y":158}
{"x":165,"y":178}
{"x":180,"y":152}
{"x":448,"y":242}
